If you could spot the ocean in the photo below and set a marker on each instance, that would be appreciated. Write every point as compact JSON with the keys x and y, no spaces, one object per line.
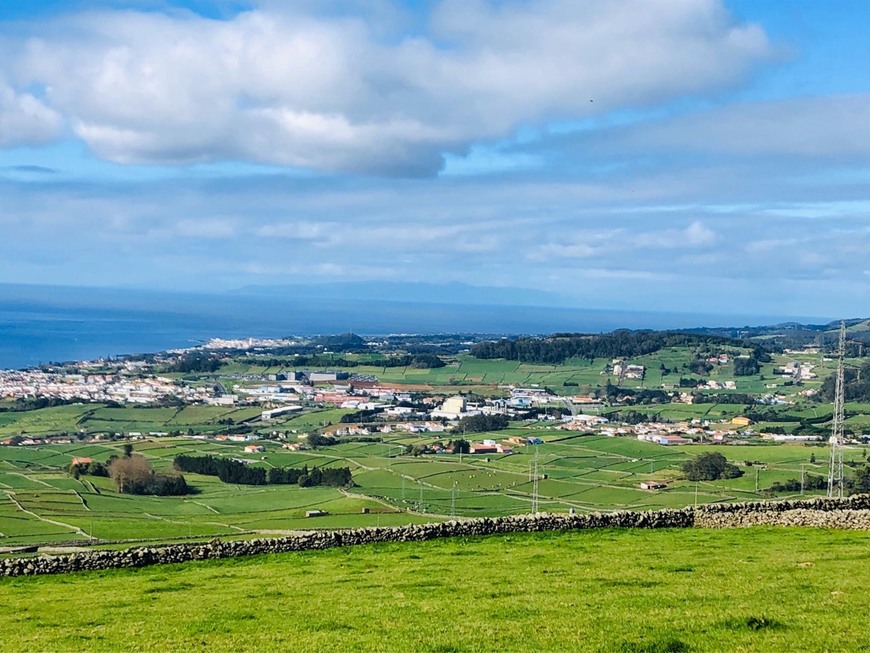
{"x":46,"y":324}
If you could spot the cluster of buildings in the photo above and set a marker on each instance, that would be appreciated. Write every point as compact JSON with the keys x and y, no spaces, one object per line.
{"x":798,"y":371}
{"x":626,"y":370}
{"x":245,"y":344}
{"x":668,"y":434}
{"x":36,"y":384}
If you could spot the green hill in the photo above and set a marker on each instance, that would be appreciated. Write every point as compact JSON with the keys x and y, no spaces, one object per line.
{"x":743,"y":589}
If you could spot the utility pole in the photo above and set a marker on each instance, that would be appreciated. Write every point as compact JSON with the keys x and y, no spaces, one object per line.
{"x":835,"y":468}
{"x":453,"y":501}
{"x":535,"y":485}
{"x":803,"y":478}
{"x":756,"y":480}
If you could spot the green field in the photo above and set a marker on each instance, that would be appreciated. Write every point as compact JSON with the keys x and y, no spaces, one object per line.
{"x":41,"y":503}
{"x":759,"y":589}
{"x":97,"y":418}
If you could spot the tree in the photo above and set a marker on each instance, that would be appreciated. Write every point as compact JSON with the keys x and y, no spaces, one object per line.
{"x":482,"y":423}
{"x":460,"y":446}
{"x":710,"y":467}
{"x":131,"y":474}
{"x":861,"y":484}
{"x":128,"y":450}
{"x":746,"y":366}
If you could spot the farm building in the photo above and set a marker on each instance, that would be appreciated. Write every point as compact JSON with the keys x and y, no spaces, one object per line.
{"x":653,"y":485}
{"x":670,"y":440}
{"x":255,"y":448}
{"x":269,"y":414}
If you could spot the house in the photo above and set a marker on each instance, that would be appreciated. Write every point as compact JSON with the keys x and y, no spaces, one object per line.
{"x":255,"y":448}
{"x":81,"y":460}
{"x":653,"y":485}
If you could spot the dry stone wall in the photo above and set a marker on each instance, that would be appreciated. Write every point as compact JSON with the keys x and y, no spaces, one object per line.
{"x":853,"y":512}
{"x":176,"y":553}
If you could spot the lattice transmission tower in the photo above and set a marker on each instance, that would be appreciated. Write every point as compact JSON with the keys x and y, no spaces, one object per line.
{"x":835,"y":471}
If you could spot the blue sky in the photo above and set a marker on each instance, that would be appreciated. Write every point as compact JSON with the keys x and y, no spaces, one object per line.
{"x":668,"y":155}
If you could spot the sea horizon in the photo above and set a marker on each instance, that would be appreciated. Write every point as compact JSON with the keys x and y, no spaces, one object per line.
{"x":41,"y":324}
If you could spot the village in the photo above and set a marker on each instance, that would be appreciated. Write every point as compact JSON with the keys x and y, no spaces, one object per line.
{"x":381,"y":407}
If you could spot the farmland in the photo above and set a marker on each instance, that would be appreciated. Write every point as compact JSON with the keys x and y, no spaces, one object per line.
{"x":660,"y":590}
{"x":402,"y":475}
{"x":43,"y":503}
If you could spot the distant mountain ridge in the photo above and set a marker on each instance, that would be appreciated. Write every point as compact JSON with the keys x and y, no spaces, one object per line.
{"x":419,"y":292}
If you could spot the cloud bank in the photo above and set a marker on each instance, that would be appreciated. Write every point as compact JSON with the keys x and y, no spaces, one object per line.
{"x":340,"y":92}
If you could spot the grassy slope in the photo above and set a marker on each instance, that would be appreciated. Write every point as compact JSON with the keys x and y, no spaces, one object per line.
{"x":759,"y":589}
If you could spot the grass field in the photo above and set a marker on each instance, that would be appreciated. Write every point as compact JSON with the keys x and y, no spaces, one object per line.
{"x":759,"y":589}
{"x":41,"y":503}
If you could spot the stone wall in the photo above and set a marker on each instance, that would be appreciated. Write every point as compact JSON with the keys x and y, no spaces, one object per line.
{"x":848,"y":519}
{"x":175,"y":553}
{"x":853,"y":512}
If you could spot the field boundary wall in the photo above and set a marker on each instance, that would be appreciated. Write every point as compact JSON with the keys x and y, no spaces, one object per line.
{"x":853,"y":512}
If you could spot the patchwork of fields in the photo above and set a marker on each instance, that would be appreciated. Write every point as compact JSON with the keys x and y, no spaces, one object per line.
{"x":40,"y":502}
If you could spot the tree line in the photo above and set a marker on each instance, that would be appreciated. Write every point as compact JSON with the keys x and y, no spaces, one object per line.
{"x":561,"y":347}
{"x":418,"y":361}
{"x":196,"y":361}
{"x":233,"y":471}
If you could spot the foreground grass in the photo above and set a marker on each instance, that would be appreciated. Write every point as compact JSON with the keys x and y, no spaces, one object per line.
{"x":690,"y":590}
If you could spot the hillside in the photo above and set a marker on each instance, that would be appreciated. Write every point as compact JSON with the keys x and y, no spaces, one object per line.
{"x":756,"y":589}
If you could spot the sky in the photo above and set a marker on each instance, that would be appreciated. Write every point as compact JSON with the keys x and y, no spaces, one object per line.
{"x":657,"y":155}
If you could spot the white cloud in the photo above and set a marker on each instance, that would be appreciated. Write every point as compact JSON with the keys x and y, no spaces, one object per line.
{"x":25,"y":120}
{"x":559,"y":250}
{"x":330,"y":93}
{"x":695,"y":235}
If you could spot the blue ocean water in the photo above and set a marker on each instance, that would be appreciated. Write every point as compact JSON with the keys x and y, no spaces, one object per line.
{"x":42,"y":324}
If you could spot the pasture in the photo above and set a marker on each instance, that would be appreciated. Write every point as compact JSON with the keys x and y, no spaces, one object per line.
{"x":40,"y":502}
{"x":759,"y":589}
